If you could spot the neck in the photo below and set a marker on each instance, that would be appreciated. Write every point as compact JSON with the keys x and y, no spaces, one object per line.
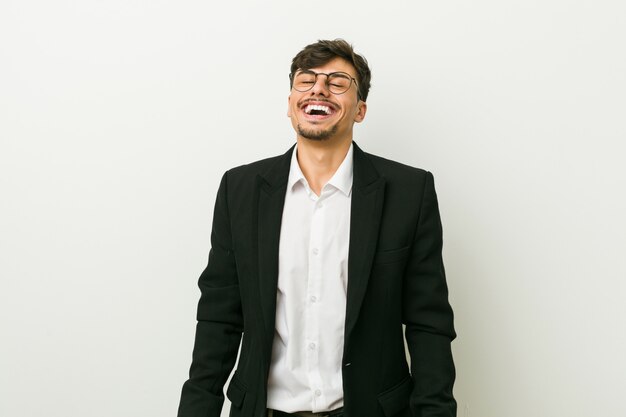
{"x":319,"y":160}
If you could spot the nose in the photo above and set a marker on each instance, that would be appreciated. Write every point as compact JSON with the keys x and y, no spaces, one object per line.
{"x":321,"y":86}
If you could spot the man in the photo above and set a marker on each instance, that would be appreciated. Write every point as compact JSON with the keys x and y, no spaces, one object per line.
{"x":318,"y":257}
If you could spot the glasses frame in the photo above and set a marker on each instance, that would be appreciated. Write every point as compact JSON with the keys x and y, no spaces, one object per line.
{"x":292,"y":76}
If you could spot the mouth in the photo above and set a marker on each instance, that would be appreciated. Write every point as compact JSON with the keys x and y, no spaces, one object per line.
{"x":318,"y":110}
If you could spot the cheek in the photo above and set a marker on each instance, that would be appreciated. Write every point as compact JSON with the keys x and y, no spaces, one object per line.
{"x":351,"y":112}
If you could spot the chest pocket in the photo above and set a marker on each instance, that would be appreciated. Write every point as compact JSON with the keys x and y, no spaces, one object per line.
{"x":392,"y":255}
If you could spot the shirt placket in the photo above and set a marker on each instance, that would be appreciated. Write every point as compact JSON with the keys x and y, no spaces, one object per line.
{"x":313,"y":296}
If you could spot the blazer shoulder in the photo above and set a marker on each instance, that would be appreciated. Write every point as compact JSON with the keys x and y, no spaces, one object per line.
{"x":397,"y":171}
{"x":253,"y":168}
{"x":244,"y":176}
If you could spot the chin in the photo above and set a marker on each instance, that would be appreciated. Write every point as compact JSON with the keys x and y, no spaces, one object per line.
{"x":317,"y":134}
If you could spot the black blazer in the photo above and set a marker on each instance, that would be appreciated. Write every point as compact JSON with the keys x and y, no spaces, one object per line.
{"x":395,"y":276}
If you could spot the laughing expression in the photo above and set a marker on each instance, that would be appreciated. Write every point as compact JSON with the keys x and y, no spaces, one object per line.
{"x":318,"y":114}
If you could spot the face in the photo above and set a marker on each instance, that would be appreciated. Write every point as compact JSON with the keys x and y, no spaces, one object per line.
{"x":339,"y":111}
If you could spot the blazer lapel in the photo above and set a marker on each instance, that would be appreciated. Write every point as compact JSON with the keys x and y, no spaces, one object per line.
{"x":368,"y":190}
{"x":270,"y":195}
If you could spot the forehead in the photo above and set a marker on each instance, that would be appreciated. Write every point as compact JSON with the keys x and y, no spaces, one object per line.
{"x":336,"y":65}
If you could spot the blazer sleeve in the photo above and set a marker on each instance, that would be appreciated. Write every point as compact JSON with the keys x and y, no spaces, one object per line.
{"x":428,"y":316}
{"x":220,"y":321}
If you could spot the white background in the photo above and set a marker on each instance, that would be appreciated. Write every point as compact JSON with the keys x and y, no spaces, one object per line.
{"x":117,"y":119}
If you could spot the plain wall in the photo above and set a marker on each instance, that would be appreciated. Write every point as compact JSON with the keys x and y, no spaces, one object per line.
{"x":117,"y":119}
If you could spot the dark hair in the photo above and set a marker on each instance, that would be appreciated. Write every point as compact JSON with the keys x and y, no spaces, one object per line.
{"x":323,"y":51}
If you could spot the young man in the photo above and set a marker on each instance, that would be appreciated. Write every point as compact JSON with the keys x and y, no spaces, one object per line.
{"x":318,"y":257}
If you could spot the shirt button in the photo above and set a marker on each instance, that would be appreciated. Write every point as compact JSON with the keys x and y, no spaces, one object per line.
{"x":318,"y":393}
{"x":311,"y":346}
{"x":315,"y":251}
{"x":313,"y":298}
{"x":320,"y":205}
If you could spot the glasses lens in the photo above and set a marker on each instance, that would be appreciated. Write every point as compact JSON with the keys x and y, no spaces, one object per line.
{"x":304,"y":81}
{"x":339,"y":82}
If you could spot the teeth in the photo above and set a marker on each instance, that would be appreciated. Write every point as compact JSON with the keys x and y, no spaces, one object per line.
{"x":312,"y":107}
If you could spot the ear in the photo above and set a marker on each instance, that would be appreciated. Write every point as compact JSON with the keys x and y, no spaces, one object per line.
{"x":361,"y":109}
{"x":289,"y":105}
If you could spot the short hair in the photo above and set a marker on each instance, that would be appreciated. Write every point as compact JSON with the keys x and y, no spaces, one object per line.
{"x":324,"y":51}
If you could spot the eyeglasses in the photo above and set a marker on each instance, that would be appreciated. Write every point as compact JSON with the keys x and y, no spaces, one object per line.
{"x":336,"y":82}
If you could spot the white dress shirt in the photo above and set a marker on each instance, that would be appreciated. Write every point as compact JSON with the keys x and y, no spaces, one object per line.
{"x":305,"y":373}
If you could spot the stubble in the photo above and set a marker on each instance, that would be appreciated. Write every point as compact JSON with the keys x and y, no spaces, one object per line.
{"x":318,"y":135}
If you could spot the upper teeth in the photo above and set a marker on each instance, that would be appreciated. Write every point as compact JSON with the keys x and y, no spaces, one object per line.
{"x":312,"y":107}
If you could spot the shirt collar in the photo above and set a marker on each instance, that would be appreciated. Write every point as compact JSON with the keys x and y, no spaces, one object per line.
{"x":341,"y":179}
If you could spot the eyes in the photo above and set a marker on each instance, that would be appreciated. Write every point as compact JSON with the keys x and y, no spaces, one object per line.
{"x":310,"y":82}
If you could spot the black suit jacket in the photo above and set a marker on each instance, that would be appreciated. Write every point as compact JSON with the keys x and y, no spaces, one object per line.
{"x":395,"y":276}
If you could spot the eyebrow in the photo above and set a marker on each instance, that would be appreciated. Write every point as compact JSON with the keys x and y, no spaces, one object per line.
{"x":329,"y":73}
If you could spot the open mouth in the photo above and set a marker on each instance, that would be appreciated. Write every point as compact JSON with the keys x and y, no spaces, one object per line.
{"x":319,"y":110}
